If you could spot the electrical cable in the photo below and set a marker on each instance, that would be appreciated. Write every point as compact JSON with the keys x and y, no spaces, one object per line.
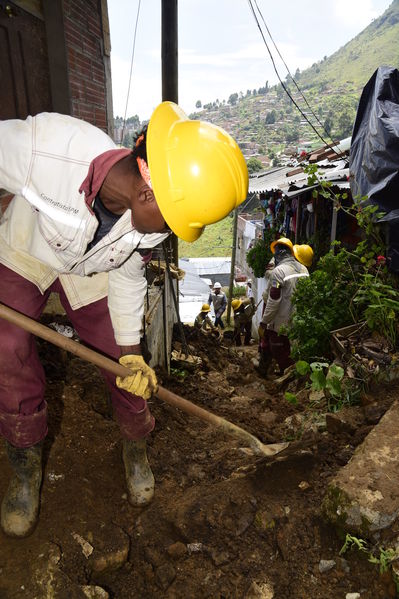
{"x":131,"y":70}
{"x":290,"y":74}
{"x":285,"y":88}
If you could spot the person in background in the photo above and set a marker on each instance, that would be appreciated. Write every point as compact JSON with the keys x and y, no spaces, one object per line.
{"x":83,"y":219}
{"x":243,"y":313}
{"x":218,"y":298}
{"x":250,"y":292}
{"x":289,"y":268}
{"x":204,"y":324}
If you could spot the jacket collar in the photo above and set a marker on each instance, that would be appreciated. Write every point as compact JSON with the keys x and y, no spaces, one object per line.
{"x":98,"y":170}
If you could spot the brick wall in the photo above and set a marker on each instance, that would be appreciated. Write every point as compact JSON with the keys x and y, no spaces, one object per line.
{"x":84,"y":42}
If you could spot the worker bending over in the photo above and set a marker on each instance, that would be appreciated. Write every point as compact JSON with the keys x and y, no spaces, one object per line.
{"x":204,"y":324}
{"x":82,"y":222}
{"x":243,"y":313}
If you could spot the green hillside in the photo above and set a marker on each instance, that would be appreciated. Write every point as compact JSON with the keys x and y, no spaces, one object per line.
{"x":355,"y":62}
{"x":215,"y":241}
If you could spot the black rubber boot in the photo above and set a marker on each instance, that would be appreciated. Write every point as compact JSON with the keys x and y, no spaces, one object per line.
{"x":20,"y":506}
{"x":139,"y":477}
{"x":265,"y":361}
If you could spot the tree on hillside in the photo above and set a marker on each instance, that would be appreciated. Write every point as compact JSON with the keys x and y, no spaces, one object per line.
{"x":297,"y":75}
{"x":328,"y":125}
{"x":254,"y":165}
{"x":345,"y":124}
{"x":134,"y":120}
{"x":198,"y":104}
{"x":279,"y":91}
{"x":233,"y":99}
{"x":292,"y":135}
{"x":270,"y":117}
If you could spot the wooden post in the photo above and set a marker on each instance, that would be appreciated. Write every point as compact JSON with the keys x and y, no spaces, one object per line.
{"x":169,"y":52}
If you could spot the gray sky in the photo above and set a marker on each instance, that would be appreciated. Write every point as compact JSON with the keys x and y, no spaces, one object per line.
{"x":220,"y":47}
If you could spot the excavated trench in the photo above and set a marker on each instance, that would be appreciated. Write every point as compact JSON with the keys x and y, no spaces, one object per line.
{"x":222,"y":525}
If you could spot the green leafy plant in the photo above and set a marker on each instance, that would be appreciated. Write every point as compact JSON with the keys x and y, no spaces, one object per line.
{"x":329,"y":378}
{"x":347,"y":286}
{"x":384,"y":559}
{"x":351,"y":542}
{"x":179,"y":373}
{"x":258,"y":257}
{"x":321,"y":304}
{"x":291,"y":398}
{"x":380,"y":303}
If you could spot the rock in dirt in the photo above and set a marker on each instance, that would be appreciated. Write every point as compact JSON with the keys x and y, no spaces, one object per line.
{"x":352,"y":596}
{"x":94,"y":592}
{"x":344,"y":421}
{"x":220,"y":558}
{"x":363,"y":497}
{"x":325,"y":565}
{"x":177,"y":550}
{"x":260,"y":590}
{"x":165,"y":575}
{"x":110,"y":550}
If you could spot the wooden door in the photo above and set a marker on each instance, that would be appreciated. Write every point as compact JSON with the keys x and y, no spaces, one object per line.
{"x":24,"y":70}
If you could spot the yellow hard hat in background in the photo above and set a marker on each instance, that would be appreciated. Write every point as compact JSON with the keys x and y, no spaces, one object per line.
{"x":197,"y":170}
{"x":282,"y":241}
{"x":235,"y":304}
{"x":304,"y":254}
{"x":205,"y":308}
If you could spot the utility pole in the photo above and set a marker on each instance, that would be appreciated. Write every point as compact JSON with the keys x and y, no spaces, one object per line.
{"x":233,"y":264}
{"x":169,"y":53}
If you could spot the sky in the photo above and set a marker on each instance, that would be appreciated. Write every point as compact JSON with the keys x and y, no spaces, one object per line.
{"x":221,"y":50}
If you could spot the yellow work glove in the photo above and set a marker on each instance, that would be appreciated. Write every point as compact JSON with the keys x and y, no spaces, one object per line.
{"x":142,"y":381}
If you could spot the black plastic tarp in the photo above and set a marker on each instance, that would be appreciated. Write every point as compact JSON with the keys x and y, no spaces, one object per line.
{"x":374,"y":153}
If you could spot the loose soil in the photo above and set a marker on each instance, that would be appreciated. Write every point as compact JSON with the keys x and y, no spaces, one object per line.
{"x":223,"y":524}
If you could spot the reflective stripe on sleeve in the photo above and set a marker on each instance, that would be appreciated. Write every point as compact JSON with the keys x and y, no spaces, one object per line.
{"x":296,"y":276}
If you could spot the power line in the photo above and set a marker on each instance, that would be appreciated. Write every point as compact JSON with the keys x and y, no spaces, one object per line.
{"x":290,"y":74}
{"x":131,"y":70}
{"x":284,"y":87}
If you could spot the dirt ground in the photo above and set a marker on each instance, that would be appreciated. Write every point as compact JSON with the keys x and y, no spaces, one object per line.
{"x":223,"y":524}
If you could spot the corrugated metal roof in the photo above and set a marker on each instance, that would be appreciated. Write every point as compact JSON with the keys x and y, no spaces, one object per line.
{"x":280,"y":179}
{"x":291,"y":182}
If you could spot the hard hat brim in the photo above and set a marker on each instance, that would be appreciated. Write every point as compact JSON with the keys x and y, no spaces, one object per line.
{"x":281,"y":242}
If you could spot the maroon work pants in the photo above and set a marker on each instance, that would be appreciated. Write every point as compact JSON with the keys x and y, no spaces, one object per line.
{"x":276,"y":346}
{"x":23,"y":410}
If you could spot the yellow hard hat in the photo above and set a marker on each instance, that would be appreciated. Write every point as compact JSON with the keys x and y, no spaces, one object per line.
{"x":304,"y":254}
{"x":205,"y":308}
{"x":197,"y":170}
{"x":282,"y":241}
{"x":235,"y":304}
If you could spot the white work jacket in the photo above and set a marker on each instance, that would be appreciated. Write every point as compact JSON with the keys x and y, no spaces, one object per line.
{"x":46,"y":228}
{"x":284,"y":279}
